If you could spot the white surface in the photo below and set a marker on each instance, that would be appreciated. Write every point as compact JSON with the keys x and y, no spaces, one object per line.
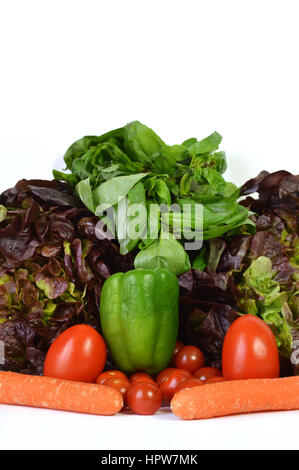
{"x":29,"y":428}
{"x":71,"y":68}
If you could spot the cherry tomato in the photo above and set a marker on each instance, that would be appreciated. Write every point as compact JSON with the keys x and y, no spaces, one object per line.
{"x":250,"y":350}
{"x":108,"y":374}
{"x":214,"y":380}
{"x":190,"y":383}
{"x":121,"y":384}
{"x":178,"y":346}
{"x":206,"y":372}
{"x":79,"y":353}
{"x":163,"y":375}
{"x":145,"y":379}
{"x":169,"y":385}
{"x":144,"y":398}
{"x":189,"y":358}
{"x":141,"y":377}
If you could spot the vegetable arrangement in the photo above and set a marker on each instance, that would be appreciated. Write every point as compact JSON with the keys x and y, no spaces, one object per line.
{"x":191,"y":397}
{"x":77,"y":304}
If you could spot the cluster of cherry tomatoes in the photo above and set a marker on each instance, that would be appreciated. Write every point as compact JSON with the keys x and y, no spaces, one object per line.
{"x":249,"y":351}
{"x":79,"y":353}
{"x":144,"y":394}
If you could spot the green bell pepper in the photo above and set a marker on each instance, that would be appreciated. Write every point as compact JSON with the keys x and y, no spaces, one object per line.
{"x":139,"y":318}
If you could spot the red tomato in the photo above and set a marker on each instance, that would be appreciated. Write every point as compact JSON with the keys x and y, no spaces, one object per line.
{"x":250,"y":350}
{"x":144,"y":398}
{"x":190,"y":383}
{"x":145,"y":379}
{"x":169,"y":385}
{"x":189,"y":358}
{"x":79,"y":353}
{"x":214,"y":380}
{"x":164,"y":374}
{"x":121,"y":384}
{"x":206,"y":372}
{"x":141,"y":377}
{"x":178,"y":346}
{"x":108,"y":374}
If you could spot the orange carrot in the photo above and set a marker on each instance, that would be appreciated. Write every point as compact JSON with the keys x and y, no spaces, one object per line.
{"x":237,"y":396}
{"x":58,"y":394}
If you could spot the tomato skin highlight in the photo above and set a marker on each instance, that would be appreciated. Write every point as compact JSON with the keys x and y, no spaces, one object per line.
{"x":178,"y":346}
{"x":207,"y":372}
{"x":108,"y":374}
{"x":250,"y":350}
{"x":79,"y":353}
{"x":144,"y":398}
{"x":163,"y":375}
{"x":189,"y":358}
{"x":120,"y":384}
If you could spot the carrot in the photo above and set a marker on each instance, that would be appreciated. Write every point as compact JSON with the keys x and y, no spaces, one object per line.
{"x":58,"y":394}
{"x":239,"y":396}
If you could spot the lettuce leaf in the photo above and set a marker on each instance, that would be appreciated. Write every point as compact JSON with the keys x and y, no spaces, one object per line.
{"x":262,"y":296}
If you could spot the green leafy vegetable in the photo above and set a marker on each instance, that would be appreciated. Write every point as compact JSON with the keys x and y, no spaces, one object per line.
{"x":114,"y":190}
{"x":201,"y":260}
{"x":84,"y":191}
{"x":133,"y":221}
{"x":263,"y":296}
{"x":164,"y":253}
{"x":3,"y":212}
{"x":106,"y":169}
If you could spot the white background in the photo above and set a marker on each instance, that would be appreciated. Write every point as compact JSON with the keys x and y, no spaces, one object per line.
{"x":185,"y":68}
